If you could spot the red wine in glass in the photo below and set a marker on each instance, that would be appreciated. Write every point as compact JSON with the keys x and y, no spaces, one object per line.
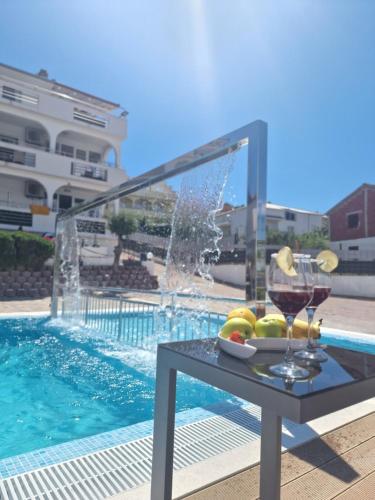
{"x":290,"y":302}
{"x":321,"y":293}
{"x":290,"y":292}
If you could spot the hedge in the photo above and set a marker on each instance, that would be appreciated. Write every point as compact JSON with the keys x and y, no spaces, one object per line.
{"x":26,"y":250}
{"x":7,"y":251}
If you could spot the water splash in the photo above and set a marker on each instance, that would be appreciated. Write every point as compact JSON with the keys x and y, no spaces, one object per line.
{"x":69,"y":257}
{"x":193,"y":246}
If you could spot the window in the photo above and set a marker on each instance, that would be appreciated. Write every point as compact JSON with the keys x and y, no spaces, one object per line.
{"x":94,"y":157}
{"x":290,"y":215}
{"x":35,"y":136}
{"x":352,"y":221}
{"x":67,"y":150}
{"x":81,"y":154}
{"x":353,"y":248}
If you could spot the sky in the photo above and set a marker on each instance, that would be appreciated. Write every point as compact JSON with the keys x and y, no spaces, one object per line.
{"x":189,"y":71}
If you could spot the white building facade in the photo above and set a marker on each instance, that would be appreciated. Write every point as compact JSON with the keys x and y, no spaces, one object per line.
{"x":59,"y":146}
{"x":278,"y":218}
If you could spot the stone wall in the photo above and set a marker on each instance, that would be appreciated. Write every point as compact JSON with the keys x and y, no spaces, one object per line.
{"x":25,"y":284}
{"x":38,"y":284}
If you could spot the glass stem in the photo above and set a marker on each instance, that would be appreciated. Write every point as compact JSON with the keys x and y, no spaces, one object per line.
{"x":310,"y":317}
{"x":289,"y":358}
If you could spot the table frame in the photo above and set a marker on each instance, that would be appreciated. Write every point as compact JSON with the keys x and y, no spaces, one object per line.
{"x":275,"y":404}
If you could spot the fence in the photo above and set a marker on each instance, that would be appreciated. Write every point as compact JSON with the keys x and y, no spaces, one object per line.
{"x":123,"y":317}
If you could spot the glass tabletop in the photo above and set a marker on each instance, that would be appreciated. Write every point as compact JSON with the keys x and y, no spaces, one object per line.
{"x":343,"y":367}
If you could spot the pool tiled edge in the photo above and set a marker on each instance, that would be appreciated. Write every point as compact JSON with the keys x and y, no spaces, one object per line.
{"x":72,"y":449}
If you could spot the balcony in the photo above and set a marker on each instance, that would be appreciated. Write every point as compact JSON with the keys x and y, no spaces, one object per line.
{"x":94,"y":213}
{"x":13,"y":95}
{"x":89,"y":171}
{"x":56,"y":104}
{"x":10,"y":155}
{"x":13,"y":156}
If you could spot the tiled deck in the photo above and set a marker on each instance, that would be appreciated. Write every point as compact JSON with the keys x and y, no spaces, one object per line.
{"x":339,"y":464}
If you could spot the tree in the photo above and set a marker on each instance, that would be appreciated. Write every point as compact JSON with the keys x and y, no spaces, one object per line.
{"x":121,"y":224}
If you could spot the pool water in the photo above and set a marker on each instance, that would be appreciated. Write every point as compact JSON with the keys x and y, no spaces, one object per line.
{"x":58,"y":384}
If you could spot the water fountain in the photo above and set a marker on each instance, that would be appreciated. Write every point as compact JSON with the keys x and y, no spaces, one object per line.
{"x":193,"y":245}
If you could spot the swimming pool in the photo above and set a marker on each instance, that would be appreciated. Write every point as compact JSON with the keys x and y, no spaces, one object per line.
{"x":59,"y":384}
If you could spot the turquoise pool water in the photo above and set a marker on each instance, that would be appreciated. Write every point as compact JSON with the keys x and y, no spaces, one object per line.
{"x":58,"y":384}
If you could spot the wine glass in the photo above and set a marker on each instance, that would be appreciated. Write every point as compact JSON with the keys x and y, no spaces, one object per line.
{"x":322,"y":289}
{"x":290,"y":292}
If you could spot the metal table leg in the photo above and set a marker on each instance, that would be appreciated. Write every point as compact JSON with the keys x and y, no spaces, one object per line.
{"x":270,"y":456}
{"x":162,"y":459}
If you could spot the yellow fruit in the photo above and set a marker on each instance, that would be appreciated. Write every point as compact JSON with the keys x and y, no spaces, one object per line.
{"x":284,"y":259}
{"x":300,"y":327}
{"x":327,"y":260}
{"x":243,"y":312}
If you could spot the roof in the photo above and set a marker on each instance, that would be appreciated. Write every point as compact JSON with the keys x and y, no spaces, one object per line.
{"x":360,"y":188}
{"x":61,"y":87}
{"x":300,"y":210}
{"x":275,"y":207}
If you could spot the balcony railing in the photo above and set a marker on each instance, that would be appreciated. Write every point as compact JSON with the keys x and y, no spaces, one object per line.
{"x":87,"y":226}
{"x":5,"y":201}
{"x":91,"y":214}
{"x":19,"y":96}
{"x":10,"y":140}
{"x":11,"y":155}
{"x":89,"y":118}
{"x":89,"y":171}
{"x":74,"y":109}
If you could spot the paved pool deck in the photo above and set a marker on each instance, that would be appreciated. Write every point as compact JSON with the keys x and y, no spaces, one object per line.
{"x":339,"y":464}
{"x":337,"y":312}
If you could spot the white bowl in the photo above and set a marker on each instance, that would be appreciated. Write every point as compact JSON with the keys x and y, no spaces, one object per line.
{"x":276,"y":343}
{"x":240,"y":351}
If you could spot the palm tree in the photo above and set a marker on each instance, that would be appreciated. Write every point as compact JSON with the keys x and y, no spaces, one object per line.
{"x":121,"y":224}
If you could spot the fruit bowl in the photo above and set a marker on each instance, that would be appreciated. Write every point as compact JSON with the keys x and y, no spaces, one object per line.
{"x":240,"y":351}
{"x":276,"y":343}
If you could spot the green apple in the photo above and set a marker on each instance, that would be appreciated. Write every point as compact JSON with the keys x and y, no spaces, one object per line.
{"x":237,"y":324}
{"x":268,"y":327}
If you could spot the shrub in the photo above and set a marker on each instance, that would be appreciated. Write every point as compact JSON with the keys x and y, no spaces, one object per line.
{"x":7,"y":251}
{"x":31,"y":250}
{"x":20,"y":249}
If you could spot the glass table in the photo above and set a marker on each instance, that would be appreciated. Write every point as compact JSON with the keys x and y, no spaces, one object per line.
{"x":348,"y":377}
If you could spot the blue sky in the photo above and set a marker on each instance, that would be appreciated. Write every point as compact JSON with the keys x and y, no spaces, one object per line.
{"x":191,"y":70}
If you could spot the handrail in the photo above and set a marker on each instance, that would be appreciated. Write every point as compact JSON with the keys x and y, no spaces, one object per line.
{"x":159,"y":293}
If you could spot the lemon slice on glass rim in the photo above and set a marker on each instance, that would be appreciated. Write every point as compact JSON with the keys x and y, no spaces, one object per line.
{"x":285,"y":261}
{"x":327,"y":260}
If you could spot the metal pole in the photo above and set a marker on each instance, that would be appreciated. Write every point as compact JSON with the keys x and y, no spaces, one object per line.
{"x":119,"y":321}
{"x":255,"y":253}
{"x":162,"y":457}
{"x":270,"y":456}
